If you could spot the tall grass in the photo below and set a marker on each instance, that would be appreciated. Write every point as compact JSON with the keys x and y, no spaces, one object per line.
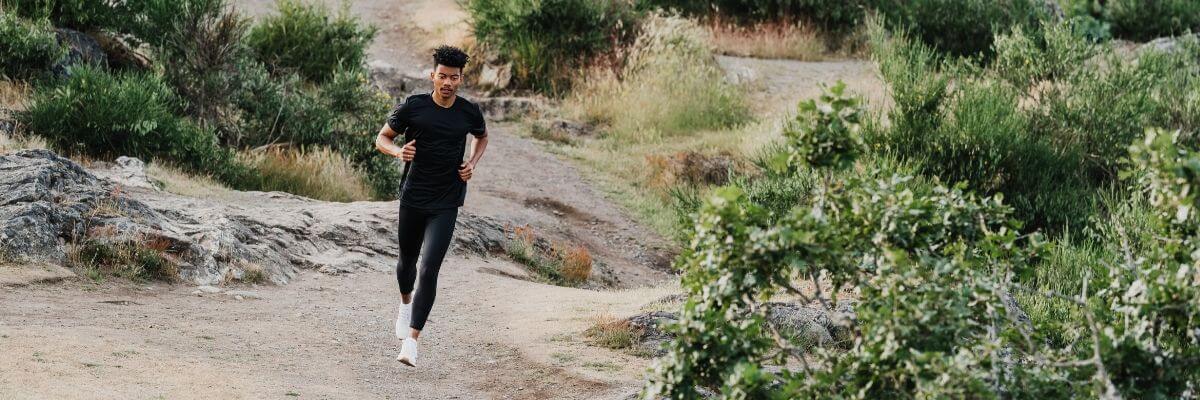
{"x":319,"y":173}
{"x":670,"y":86}
{"x":790,"y":40}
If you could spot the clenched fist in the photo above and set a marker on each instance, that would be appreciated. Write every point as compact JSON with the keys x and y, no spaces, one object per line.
{"x":409,"y":150}
{"x":465,"y":170}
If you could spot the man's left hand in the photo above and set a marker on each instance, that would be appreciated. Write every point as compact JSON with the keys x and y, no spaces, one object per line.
{"x":465,"y":170}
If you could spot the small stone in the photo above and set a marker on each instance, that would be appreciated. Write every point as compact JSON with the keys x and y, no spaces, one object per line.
{"x":208,"y":289}
{"x":240,"y":294}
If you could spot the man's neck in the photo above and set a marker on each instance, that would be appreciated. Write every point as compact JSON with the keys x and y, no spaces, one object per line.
{"x":442,"y":101}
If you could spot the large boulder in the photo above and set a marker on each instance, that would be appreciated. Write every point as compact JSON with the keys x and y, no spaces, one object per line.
{"x":50,"y":206}
{"x":397,"y":83}
{"x":81,"y":49}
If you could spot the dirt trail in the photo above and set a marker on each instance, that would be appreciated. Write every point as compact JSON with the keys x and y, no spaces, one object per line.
{"x":321,"y":336}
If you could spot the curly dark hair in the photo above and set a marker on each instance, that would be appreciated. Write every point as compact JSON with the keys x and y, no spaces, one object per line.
{"x":449,"y":56}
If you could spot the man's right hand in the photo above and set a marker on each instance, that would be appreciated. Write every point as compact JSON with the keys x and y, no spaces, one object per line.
{"x":409,"y":150}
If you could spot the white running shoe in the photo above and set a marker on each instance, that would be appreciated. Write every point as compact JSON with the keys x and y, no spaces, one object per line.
{"x":402,"y":319}
{"x":408,"y":352}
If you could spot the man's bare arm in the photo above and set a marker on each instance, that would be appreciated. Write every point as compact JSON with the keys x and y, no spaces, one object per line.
{"x":477,"y":147}
{"x":386,"y":144}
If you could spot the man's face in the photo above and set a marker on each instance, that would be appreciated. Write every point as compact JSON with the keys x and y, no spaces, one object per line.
{"x":446,"y":80}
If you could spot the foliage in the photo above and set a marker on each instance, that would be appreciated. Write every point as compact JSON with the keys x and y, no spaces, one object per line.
{"x":27,"y":47}
{"x":1045,"y":122}
{"x":304,"y":38}
{"x":826,"y":131}
{"x":961,"y":27}
{"x":81,"y":15}
{"x":137,"y":116}
{"x":547,"y":40}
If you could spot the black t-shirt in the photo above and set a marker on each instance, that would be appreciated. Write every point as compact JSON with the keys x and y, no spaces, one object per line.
{"x":441,"y":134}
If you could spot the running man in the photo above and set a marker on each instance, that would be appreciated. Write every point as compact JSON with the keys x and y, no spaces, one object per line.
{"x":435,"y":126}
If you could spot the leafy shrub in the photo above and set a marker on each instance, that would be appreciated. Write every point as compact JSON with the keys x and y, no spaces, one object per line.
{"x":961,"y":27}
{"x":549,"y":39}
{"x":100,"y":114}
{"x":279,"y":109}
{"x":360,"y":107}
{"x":934,"y":268}
{"x":198,"y":45}
{"x":825,"y":131}
{"x":81,"y":15}
{"x":1045,"y":123}
{"x":1144,"y":20}
{"x":305,"y":38}
{"x":27,"y":47}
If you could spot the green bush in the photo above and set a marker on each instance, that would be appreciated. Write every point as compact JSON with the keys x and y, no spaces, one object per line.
{"x":81,"y":15}
{"x":197,"y":44}
{"x":27,"y":48}
{"x":99,"y":114}
{"x":961,"y":27}
{"x":1148,"y":19}
{"x":826,"y":131}
{"x":279,"y":109}
{"x":548,"y":40}
{"x":830,"y":15}
{"x":360,"y":108}
{"x":1045,"y":123}
{"x":305,"y":38}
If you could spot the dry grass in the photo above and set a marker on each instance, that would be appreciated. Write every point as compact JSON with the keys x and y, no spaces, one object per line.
{"x":14,"y":94}
{"x":175,"y":180}
{"x":611,"y":332}
{"x":575,"y":262}
{"x":318,"y":173}
{"x":782,"y":39}
{"x":670,"y":86}
{"x":560,"y":263}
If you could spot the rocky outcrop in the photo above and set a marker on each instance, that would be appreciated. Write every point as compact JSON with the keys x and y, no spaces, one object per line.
{"x":50,"y":205}
{"x":397,"y":83}
{"x":81,"y":49}
{"x":806,"y":325}
{"x":508,"y":107}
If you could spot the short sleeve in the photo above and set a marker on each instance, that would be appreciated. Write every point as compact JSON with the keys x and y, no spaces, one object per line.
{"x":398,"y":119}
{"x":478,"y":126}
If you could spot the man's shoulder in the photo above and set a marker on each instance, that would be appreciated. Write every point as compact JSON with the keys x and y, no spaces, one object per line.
{"x":470,"y":105}
{"x":417,"y":98}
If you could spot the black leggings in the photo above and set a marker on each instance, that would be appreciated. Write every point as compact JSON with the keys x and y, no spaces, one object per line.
{"x":415,"y":227}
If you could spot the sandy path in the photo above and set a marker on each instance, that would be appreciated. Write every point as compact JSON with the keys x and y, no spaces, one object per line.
{"x":319,"y":337}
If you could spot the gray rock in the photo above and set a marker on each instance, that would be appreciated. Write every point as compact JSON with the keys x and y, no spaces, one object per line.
{"x":572,"y":128}
{"x":397,"y":83}
{"x":495,"y":76}
{"x":126,"y":171}
{"x":48,"y":202}
{"x":81,"y":49}
{"x":650,"y":325}
{"x":810,"y":325}
{"x":208,"y":289}
{"x":509,"y":107}
{"x":243,"y":294}
{"x":1168,"y":44}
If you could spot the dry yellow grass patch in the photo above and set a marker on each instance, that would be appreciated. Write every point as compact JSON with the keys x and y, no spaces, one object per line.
{"x":319,"y":173}
{"x":789,"y":40}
